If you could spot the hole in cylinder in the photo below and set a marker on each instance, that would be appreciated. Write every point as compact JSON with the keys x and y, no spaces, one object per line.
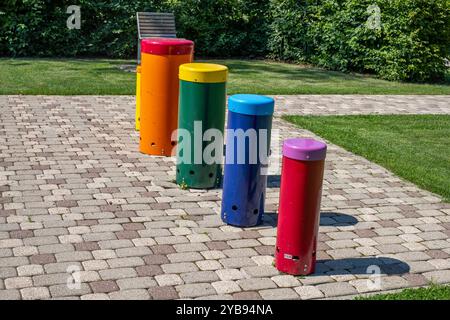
{"x":191,"y":172}
{"x":211,"y":175}
{"x":234,"y":207}
{"x":256,"y":211}
{"x":153,"y":144}
{"x":173,"y":143}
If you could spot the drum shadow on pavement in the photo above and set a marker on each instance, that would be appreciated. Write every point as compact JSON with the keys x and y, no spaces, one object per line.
{"x":361,"y":266}
{"x":327,"y":219}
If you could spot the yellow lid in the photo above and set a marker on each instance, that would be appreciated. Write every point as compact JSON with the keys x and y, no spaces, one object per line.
{"x":203,"y":72}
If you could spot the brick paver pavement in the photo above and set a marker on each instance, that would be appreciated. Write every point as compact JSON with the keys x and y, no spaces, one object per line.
{"x":78,"y":201}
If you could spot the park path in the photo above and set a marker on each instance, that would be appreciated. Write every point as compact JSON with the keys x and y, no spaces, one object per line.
{"x":76,"y":196}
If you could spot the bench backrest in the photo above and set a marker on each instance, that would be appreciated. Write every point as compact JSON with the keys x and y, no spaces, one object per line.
{"x":156,"y":25}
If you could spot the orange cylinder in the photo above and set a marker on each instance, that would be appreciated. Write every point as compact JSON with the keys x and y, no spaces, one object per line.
{"x":161,"y":59}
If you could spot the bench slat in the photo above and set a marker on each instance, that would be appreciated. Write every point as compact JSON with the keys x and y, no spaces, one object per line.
{"x":155,"y":35}
{"x":157,"y":14}
{"x":155,"y":28}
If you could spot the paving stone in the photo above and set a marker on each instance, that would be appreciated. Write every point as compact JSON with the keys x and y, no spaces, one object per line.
{"x":119,"y":273}
{"x":438,"y":276}
{"x":230,"y":274}
{"x":336,"y":289}
{"x":95,"y":296}
{"x":237,"y":262}
{"x":415,"y":280}
{"x":260,"y":271}
{"x":62,"y":290}
{"x":212,"y":255}
{"x":18,"y":283}
{"x":133,"y":294}
{"x":184,"y":257}
{"x":366,"y":285}
{"x":278,"y":294}
{"x":163,"y":293}
{"x":30,"y":270}
{"x":94,"y":265}
{"x":195,"y":290}
{"x":62,"y":267}
{"x":226,"y":287}
{"x":34,"y":293}
{"x":309,"y":292}
{"x":247,"y":295}
{"x":208,"y":265}
{"x":179,"y":267}
{"x":13,"y":294}
{"x":149,"y":271}
{"x":136,"y":283}
{"x":199,"y":276}
{"x":155,"y":259}
{"x":168,"y":280}
{"x":256,"y":284}
{"x":73,"y":256}
{"x":125,"y":262}
{"x":285,"y":281}
{"x":133,"y":252}
{"x":104,"y":286}
{"x":241,"y":252}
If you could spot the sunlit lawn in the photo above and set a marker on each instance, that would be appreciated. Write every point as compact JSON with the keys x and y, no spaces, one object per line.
{"x":103,"y":77}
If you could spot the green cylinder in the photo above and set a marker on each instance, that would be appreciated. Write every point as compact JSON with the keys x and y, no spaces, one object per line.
{"x":201,"y":121}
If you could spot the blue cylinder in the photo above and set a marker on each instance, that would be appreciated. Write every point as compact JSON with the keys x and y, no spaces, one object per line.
{"x":247,"y":151}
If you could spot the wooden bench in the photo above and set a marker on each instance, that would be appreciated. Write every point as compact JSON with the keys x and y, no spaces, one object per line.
{"x":155,"y":25}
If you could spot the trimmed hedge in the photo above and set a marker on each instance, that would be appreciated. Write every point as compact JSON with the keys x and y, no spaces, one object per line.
{"x":411,"y":43}
{"x":108,"y":28}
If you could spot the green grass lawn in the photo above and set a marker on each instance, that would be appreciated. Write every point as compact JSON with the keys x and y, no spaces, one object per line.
{"x":434,"y":292}
{"x":99,"y":76}
{"x":414,"y":147}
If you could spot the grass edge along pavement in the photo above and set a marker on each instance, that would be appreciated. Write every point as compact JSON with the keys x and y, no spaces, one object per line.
{"x":104,"y":77}
{"x":414,"y":147}
{"x":432,"y":292}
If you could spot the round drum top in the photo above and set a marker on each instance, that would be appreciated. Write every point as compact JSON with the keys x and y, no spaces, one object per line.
{"x":167,"y":46}
{"x":251,"y":104}
{"x":304,"y":149}
{"x":203,"y":72}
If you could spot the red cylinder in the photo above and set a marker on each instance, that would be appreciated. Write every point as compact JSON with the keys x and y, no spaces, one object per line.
{"x":299,"y":211}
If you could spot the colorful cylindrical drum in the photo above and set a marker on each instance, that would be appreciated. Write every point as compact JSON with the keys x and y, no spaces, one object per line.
{"x":138,"y":98}
{"x":201,"y":124}
{"x":246,"y":160}
{"x":299,"y":210}
{"x":161,"y":59}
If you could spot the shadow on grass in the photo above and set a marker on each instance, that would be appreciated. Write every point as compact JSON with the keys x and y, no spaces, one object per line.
{"x":291,"y":72}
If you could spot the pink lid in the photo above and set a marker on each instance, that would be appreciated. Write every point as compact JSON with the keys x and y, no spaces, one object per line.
{"x":167,"y":46}
{"x":304,"y":149}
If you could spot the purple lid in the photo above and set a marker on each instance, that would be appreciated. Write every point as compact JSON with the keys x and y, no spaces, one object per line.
{"x":304,"y":149}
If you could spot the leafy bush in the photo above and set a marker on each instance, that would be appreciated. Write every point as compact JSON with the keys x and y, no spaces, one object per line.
{"x":411,"y":43}
{"x":108,"y":28}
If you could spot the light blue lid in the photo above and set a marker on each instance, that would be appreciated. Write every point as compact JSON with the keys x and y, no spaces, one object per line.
{"x":251,"y":104}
